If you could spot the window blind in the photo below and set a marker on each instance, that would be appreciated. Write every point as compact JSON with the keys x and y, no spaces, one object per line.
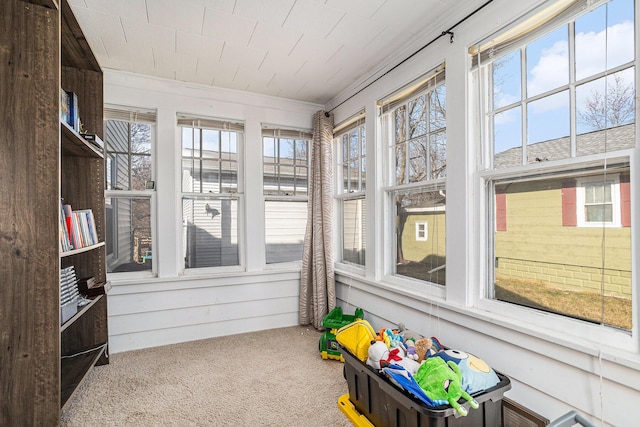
{"x":127,"y":114}
{"x":524,"y":31}
{"x":276,"y":132}
{"x":426,"y":82}
{"x":352,"y":122}
{"x":209,"y":123}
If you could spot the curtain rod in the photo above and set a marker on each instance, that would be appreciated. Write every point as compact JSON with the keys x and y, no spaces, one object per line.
{"x":444,"y":33}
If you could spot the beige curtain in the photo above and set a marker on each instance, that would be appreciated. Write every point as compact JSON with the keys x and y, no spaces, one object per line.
{"x":317,"y":283}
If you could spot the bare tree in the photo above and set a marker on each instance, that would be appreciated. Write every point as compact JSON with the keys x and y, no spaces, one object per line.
{"x":613,"y":108}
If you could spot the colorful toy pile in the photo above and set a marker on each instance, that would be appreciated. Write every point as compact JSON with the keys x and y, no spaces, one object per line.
{"x":420,"y":365}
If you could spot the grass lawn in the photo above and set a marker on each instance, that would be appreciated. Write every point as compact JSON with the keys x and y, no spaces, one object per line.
{"x":582,"y":305}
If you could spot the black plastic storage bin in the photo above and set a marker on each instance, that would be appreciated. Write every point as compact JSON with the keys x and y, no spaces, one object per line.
{"x":386,"y":405}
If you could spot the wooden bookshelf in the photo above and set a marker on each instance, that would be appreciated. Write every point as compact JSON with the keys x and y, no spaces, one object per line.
{"x":41,"y":160}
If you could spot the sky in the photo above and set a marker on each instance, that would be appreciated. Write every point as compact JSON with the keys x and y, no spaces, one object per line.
{"x":547,"y":60}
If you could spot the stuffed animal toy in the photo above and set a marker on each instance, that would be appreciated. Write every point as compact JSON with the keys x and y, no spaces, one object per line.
{"x":411,"y":350}
{"x":476,"y":374}
{"x":384,"y":337}
{"x":380,"y":357}
{"x":407,"y":334}
{"x":423,"y":348}
{"x":395,"y":339}
{"x":441,"y":382}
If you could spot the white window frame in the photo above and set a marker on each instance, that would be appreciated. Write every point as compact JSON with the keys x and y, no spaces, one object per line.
{"x":423,"y":86}
{"x":279,"y":133}
{"x":216,"y":124}
{"x":340,"y":133}
{"x":557,"y":326}
{"x":614,"y":182}
{"x":134,"y":115}
{"x":422,"y":231}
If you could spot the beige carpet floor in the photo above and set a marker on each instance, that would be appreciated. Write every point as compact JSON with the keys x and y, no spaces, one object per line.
{"x":267,"y":378}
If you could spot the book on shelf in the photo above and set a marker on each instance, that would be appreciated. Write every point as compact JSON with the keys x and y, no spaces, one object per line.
{"x":72,"y":105}
{"x":81,"y":227}
{"x":65,"y":243}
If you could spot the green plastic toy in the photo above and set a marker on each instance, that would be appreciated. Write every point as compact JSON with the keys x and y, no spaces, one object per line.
{"x":334,"y":320}
{"x":441,"y":381}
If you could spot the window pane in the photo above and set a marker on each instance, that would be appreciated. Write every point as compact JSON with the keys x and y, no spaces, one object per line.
{"x":140,"y":171}
{"x":210,"y":143}
{"x":128,"y":236}
{"x":548,"y":128}
{"x":400,"y":124}
{"x":285,"y":224}
{"x":507,"y":138}
{"x":423,"y":260}
{"x":354,"y":231}
{"x":507,"y":80}
{"x":121,"y":175}
{"x":302,"y":151}
{"x":545,"y":260}
{"x":140,"y":138}
{"x":604,"y":38}
{"x":210,"y":233}
{"x":548,"y":62}
{"x":288,"y":176}
{"x":417,"y":160}
{"x":117,"y":136}
{"x":269,"y":147}
{"x":417,"y":117}
{"x":210,"y":176}
{"x":438,"y":155}
{"x":437,"y":109}
{"x":286,"y":151}
{"x":608,"y":102}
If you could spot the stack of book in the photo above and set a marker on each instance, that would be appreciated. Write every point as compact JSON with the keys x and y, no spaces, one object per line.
{"x":69,"y":109}
{"x":80,"y":226}
{"x":69,"y":294}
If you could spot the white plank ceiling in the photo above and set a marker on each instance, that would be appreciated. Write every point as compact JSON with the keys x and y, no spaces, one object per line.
{"x":308,"y":50}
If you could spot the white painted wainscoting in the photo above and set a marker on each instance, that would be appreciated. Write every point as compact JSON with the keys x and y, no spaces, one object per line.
{"x":160,"y":312}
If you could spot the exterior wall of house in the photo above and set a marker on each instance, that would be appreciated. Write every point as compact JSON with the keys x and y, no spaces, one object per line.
{"x":536,"y":246}
{"x":434,"y":246}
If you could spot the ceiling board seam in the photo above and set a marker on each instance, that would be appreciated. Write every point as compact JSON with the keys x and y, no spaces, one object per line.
{"x":123,"y":31}
{"x":336,"y":24}
{"x":288,"y":13}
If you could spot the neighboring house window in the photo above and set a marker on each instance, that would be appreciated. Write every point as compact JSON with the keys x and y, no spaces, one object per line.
{"x":414,"y":128}
{"x":351,"y":181}
{"x":129,"y":138}
{"x":421,"y":231}
{"x":285,"y":184}
{"x":559,"y":121}
{"x":211,"y":191}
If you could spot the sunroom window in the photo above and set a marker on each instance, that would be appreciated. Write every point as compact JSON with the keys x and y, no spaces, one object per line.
{"x":351,"y":170}
{"x":285,"y":186}
{"x":129,"y":140}
{"x":414,"y":129}
{"x":211,"y":191}
{"x":559,"y":126}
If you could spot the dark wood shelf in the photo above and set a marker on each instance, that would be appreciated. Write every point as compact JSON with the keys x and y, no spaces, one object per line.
{"x":81,"y":250}
{"x":80,"y":312}
{"x":75,"y":369}
{"x":75,"y":145}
